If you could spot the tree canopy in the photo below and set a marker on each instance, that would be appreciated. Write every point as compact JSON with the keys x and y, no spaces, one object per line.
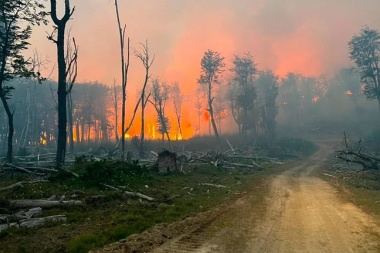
{"x":365,"y":53}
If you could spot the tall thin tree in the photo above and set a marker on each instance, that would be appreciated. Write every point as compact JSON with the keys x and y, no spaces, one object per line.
{"x":58,"y":37}
{"x":124,"y":75}
{"x":147,"y":61}
{"x":212,"y":66}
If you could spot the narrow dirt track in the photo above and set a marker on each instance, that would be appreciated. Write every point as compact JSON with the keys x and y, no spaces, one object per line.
{"x":303,"y":213}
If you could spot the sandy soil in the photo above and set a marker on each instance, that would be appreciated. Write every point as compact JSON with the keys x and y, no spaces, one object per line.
{"x":303,"y":213}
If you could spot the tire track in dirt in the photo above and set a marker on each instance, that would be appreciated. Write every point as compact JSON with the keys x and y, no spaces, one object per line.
{"x":303,"y":214}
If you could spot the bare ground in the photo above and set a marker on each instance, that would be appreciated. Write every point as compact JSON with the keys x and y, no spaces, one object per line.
{"x":302,"y":213}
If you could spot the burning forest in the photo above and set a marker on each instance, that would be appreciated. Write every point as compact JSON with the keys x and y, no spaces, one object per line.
{"x":139,"y":126}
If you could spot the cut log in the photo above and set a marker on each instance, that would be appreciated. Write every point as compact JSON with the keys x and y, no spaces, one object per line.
{"x":20,"y":184}
{"x":232,"y":149}
{"x":138,"y":195}
{"x":9,"y":187}
{"x":214,"y":185}
{"x":33,"y":222}
{"x":31,"y":213}
{"x":22,"y":169}
{"x":111,"y":187}
{"x":43,"y":203}
{"x":254,"y":165}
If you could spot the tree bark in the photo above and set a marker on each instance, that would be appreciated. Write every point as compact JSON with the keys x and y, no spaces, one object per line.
{"x":211,"y":111}
{"x":70,"y":121}
{"x":124,"y":76}
{"x":62,"y":74}
{"x":9,"y":157}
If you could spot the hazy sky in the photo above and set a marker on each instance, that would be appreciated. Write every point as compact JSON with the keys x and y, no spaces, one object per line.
{"x":304,"y":36}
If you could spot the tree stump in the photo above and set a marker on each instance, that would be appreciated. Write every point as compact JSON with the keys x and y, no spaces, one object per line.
{"x":167,"y":162}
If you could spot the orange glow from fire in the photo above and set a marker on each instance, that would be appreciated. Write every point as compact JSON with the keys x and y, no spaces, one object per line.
{"x":315,"y":99}
{"x":348,"y":93}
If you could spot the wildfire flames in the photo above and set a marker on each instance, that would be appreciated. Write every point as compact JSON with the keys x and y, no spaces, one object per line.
{"x":348,"y":93}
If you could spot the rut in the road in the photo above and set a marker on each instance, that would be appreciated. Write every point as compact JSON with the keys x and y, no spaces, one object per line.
{"x":303,"y":214}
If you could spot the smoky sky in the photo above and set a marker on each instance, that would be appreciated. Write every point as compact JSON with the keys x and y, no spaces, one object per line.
{"x":304,"y":36}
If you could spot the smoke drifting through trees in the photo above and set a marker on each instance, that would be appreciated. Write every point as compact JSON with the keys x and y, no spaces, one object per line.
{"x":13,"y":41}
{"x":251,"y":100}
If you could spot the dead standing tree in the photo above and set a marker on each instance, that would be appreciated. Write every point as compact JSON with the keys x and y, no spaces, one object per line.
{"x":71,"y":76}
{"x":177,"y":98}
{"x":115,"y":100}
{"x":160,"y":93}
{"x":124,"y":76}
{"x":147,"y":61}
{"x":64,"y":71}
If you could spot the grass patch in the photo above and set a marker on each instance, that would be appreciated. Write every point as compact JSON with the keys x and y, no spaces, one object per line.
{"x":108,"y":216}
{"x":359,"y":187}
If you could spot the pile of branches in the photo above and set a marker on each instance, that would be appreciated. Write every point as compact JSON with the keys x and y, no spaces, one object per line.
{"x":358,"y":153}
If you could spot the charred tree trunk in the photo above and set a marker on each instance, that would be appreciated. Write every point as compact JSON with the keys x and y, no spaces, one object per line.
{"x":9,"y":157}
{"x":124,"y":75}
{"x":211,"y":111}
{"x":115,"y":101}
{"x":70,"y":121}
{"x":62,"y":74}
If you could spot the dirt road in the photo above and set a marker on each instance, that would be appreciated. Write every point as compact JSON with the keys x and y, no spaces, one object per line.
{"x":303,"y":213}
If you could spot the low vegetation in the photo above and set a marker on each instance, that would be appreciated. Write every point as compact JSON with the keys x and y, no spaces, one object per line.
{"x":108,"y":214}
{"x":358,"y":182}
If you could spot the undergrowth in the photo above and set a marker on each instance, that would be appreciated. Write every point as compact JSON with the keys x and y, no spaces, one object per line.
{"x":108,"y":215}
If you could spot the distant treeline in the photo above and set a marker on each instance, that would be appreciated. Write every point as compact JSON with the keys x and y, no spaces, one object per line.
{"x":302,"y":102}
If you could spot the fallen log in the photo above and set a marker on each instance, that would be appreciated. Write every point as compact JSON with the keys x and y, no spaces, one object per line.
{"x":254,"y":165}
{"x":23,"y":169}
{"x":111,"y":187}
{"x":139,"y":195}
{"x":10,"y":187}
{"x":22,"y":215}
{"x":232,"y":149}
{"x":43,"y":203}
{"x":31,"y":213}
{"x":20,"y":184}
{"x":214,"y":185}
{"x":33,"y":222}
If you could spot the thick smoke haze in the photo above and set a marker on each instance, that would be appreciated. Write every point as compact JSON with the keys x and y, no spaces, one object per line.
{"x":304,"y":36}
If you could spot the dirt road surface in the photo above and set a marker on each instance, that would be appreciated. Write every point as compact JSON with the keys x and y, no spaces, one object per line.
{"x":303,"y":213}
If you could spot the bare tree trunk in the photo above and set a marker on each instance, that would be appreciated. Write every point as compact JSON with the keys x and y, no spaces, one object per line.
{"x":77,"y":131}
{"x":10,"y":128}
{"x":62,"y":74}
{"x":115,"y":104}
{"x":70,"y":121}
{"x":211,"y":111}
{"x":141,"y":147}
{"x":145,"y":59}
{"x":124,"y":75}
{"x":25,"y":130}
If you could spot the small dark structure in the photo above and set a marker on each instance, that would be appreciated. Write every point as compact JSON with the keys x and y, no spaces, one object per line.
{"x":167,"y":162}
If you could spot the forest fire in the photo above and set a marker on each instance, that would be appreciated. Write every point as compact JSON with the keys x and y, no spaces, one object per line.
{"x":349,"y":93}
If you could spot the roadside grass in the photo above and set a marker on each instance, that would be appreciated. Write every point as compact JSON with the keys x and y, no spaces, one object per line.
{"x":359,"y":187}
{"x":108,"y":215}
